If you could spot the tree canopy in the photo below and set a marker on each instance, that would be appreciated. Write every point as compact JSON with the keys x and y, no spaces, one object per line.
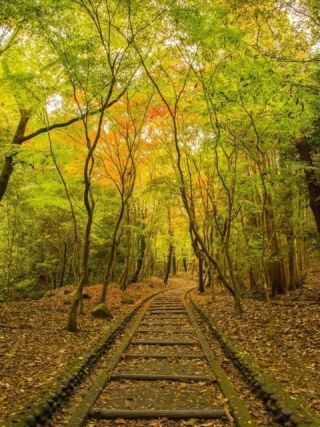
{"x":143,"y":138}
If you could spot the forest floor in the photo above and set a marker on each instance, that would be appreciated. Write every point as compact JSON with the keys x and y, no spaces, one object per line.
{"x":292,"y":354}
{"x":35,"y":346}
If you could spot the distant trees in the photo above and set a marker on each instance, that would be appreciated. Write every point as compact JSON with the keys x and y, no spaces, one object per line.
{"x":119,"y":157}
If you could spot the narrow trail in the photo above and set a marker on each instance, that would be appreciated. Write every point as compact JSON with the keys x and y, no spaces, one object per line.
{"x":163,"y":371}
{"x":163,"y":368}
{"x":165,"y":364}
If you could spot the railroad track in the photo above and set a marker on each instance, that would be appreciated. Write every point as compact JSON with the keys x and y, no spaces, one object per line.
{"x":163,"y":368}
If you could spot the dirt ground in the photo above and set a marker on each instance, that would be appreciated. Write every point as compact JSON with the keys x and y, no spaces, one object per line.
{"x":35,"y":347}
{"x":292,"y":354}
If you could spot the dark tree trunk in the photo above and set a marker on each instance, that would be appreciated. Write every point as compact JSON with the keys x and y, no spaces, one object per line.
{"x":201,"y":287}
{"x":84,"y":268}
{"x":289,"y":231}
{"x":174,"y":261}
{"x":253,"y":283}
{"x":311,"y":178}
{"x":293,"y":274}
{"x":168,"y":265}
{"x":185,"y":263}
{"x":275,"y":266}
{"x":170,"y":251}
{"x":112,"y":256}
{"x":64,"y":263}
{"x":8,"y":165}
{"x":125,"y":276}
{"x":141,"y":254}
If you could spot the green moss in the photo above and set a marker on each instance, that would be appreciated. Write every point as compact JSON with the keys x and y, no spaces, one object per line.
{"x":101,"y":311}
{"x":126,"y":299}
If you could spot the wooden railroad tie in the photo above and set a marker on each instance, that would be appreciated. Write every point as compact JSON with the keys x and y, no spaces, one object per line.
{"x":166,"y":304}
{"x":167,"y":324}
{"x":163,"y":356}
{"x":155,"y":316}
{"x":155,"y":342}
{"x":105,"y":414}
{"x":167,"y":309}
{"x":164,"y":331}
{"x":160,"y":377}
{"x":166,"y":312}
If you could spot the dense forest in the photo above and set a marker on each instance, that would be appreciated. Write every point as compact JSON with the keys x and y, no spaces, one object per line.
{"x":166,"y":144}
{"x":140,"y":139}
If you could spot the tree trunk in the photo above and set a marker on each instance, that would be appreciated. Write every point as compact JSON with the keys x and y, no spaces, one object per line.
{"x":289,"y":231}
{"x":253,"y":283}
{"x":237,"y":295}
{"x":170,"y":251}
{"x":8,"y":165}
{"x":168,"y":264}
{"x":174,"y":261}
{"x":64,"y":263}
{"x":84,"y":271}
{"x":112,"y":256}
{"x":141,"y":254}
{"x":185,"y":263}
{"x":275,"y":266}
{"x":124,"y":280}
{"x":311,"y":178}
{"x":108,"y":274}
{"x":293,"y":274}
{"x":201,"y":287}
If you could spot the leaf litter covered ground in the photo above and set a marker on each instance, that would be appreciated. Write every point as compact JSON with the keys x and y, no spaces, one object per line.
{"x":35,"y":347}
{"x":292,"y":355}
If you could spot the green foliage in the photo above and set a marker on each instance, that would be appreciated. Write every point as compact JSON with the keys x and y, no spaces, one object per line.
{"x":240,"y":78}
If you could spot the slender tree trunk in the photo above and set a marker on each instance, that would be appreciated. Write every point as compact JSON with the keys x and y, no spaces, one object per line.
{"x":201,"y":286}
{"x":185,"y":263}
{"x":237,"y":295}
{"x":275,"y":266}
{"x":152,"y":256}
{"x":108,"y":274}
{"x":124,"y":280}
{"x":289,"y":232}
{"x":311,"y":178}
{"x":112,"y":255}
{"x":84,"y":269}
{"x":174,"y":261}
{"x":141,"y":254}
{"x":168,"y":264}
{"x":252,"y":280}
{"x":64,"y":263}
{"x":170,"y":251}
{"x":300,"y":243}
{"x":292,"y":270}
